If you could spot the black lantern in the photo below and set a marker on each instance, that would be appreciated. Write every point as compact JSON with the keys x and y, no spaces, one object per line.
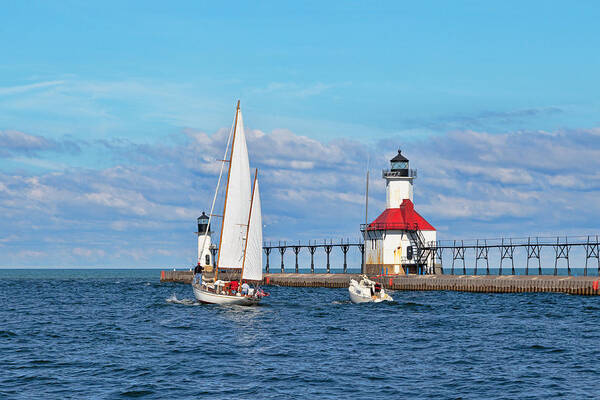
{"x":203,"y":227}
{"x":399,"y":163}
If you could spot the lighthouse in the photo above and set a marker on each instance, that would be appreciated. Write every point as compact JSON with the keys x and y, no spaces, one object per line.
{"x":396,"y":239}
{"x":204,"y":241}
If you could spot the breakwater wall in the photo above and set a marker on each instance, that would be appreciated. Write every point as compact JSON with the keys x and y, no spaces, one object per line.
{"x":578,"y":285}
{"x":176,"y":276}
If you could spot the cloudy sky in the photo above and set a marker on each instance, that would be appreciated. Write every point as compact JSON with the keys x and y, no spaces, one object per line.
{"x":113,"y":114}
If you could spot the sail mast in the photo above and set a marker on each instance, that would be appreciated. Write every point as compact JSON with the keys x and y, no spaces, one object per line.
{"x":367,"y":193}
{"x":367,"y":200}
{"x":237,"y":111}
{"x":248,"y":226}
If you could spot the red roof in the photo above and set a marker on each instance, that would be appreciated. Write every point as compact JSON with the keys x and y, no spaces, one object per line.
{"x":403,"y":218}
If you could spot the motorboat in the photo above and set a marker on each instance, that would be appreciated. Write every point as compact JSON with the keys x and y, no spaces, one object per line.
{"x":367,"y":291}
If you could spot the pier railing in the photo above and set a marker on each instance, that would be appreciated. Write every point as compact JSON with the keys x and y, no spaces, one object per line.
{"x":520,"y":255}
{"x":379,"y":226}
{"x":312,"y":246}
{"x":411,"y":173}
{"x":531,"y":250}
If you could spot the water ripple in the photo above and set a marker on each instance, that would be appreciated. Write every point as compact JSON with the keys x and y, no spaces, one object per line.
{"x":122,"y":334}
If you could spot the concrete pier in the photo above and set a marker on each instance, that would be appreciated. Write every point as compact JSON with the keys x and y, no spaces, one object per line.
{"x":579,"y":285}
{"x":176,"y":276}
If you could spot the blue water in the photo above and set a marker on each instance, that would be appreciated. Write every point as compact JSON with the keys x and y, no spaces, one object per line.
{"x":111,"y":334}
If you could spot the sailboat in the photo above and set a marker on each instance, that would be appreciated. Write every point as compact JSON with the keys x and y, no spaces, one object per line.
{"x":239,"y":258}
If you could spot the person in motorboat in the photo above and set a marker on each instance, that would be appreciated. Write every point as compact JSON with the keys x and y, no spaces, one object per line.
{"x":198,"y":273}
{"x":376,"y":290}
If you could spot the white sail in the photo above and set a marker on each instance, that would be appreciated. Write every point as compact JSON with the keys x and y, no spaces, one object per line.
{"x":235,"y":218}
{"x":253,"y":263}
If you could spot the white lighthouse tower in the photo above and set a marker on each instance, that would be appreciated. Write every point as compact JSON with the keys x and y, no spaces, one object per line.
{"x":395,"y":240}
{"x":204,"y":242}
{"x":398,"y":181}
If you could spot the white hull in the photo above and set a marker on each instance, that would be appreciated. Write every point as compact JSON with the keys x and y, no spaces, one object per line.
{"x":358,"y":298}
{"x":204,"y":296}
{"x":361,"y":292}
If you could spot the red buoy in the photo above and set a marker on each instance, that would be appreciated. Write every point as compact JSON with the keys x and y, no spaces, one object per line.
{"x":268,"y":279}
{"x":390,"y":282}
{"x":595,"y":285}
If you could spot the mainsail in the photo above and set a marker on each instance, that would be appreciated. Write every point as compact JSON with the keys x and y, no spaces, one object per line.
{"x":253,"y":262}
{"x":237,"y":207}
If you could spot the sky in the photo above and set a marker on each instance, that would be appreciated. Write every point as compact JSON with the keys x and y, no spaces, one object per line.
{"x":113,"y":114}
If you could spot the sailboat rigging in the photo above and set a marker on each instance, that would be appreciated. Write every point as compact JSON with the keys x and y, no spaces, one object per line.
{"x":240,"y":242}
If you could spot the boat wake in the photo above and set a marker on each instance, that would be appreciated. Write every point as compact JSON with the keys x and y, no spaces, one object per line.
{"x":341,"y":302}
{"x":186,"y":302}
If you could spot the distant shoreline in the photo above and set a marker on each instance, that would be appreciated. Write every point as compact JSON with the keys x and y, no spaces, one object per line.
{"x":54,"y":267}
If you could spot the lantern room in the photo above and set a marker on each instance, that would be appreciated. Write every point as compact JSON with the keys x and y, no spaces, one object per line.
{"x":398,"y":181}
{"x":399,"y":164}
{"x":203,"y":224}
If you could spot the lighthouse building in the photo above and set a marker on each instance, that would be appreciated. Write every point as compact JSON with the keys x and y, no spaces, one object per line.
{"x":204,"y":242}
{"x":396,"y":241}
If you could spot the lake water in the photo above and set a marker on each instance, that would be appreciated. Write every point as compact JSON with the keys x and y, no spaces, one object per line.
{"x":104,"y":334}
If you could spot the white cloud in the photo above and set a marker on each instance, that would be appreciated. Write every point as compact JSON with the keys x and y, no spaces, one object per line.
{"x":143,"y":209}
{"x":484,"y":209}
{"x":88,"y":253}
{"x":4,"y":91}
{"x":16,"y":140}
{"x":8,"y":238}
{"x":295,"y":89}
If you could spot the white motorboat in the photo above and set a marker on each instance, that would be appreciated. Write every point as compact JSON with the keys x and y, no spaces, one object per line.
{"x":367,"y":291}
{"x":240,"y":244}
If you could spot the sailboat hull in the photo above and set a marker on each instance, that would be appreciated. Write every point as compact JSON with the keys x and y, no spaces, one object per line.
{"x":204,"y":296}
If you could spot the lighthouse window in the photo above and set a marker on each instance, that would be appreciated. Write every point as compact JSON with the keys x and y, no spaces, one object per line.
{"x":207,"y":259}
{"x":400,"y":165}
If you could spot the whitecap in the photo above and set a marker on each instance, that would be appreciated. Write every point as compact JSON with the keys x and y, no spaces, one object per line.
{"x":188,"y":302}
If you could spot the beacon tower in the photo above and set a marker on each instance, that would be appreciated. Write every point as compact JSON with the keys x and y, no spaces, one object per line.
{"x":395,"y":240}
{"x":204,"y":241}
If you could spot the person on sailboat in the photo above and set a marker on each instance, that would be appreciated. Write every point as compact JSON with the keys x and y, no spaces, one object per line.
{"x":234,"y":287}
{"x":245,"y":288}
{"x":198,"y":273}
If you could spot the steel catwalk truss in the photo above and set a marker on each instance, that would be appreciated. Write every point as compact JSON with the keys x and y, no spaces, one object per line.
{"x":506,"y":247}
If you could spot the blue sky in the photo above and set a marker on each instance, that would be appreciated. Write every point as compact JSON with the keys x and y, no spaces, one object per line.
{"x":112,"y":112}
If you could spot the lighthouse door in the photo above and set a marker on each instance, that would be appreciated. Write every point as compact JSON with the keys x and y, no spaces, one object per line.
{"x":397,"y":259}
